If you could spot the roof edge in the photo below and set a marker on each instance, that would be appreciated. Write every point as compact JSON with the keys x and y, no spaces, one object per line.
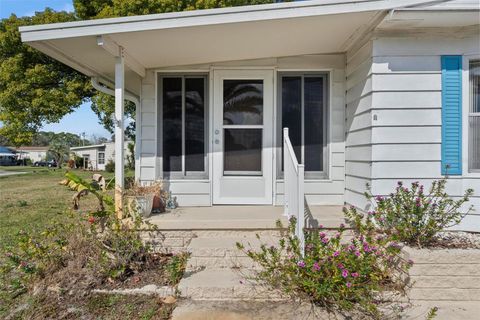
{"x":209,"y":17}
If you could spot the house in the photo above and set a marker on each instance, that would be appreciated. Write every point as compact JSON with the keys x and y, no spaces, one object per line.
{"x":371,"y":92}
{"x":34,"y":153}
{"x":95,"y":157}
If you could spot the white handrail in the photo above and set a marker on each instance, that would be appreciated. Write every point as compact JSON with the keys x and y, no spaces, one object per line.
{"x":293,"y":177}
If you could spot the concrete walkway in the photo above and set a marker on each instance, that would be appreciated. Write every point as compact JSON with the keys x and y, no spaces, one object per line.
{"x":240,"y":217}
{"x":10,"y":173}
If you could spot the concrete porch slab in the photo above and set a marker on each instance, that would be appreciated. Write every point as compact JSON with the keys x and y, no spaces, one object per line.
{"x":240,"y":217}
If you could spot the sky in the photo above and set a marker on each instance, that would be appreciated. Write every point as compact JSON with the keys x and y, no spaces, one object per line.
{"x":83,"y":119}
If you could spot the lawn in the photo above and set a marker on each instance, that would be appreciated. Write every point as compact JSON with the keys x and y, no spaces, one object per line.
{"x":30,"y":201}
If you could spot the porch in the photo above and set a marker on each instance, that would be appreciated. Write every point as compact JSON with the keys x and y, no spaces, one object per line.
{"x":242,"y":218}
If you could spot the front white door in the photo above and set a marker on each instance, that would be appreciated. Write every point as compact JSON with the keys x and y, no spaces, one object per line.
{"x":243,"y":137}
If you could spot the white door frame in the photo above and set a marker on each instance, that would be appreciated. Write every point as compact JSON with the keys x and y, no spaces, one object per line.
{"x":243,"y":189}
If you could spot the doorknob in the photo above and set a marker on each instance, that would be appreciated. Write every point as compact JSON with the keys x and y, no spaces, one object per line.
{"x":217,"y":141}
{"x":217,"y":131}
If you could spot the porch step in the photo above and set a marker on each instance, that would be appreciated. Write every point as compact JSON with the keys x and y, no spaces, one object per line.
{"x":221,"y":284}
{"x":219,"y":253}
{"x":444,"y":275}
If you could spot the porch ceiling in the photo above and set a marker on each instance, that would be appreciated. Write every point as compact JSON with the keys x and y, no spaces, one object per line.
{"x":203,"y":36}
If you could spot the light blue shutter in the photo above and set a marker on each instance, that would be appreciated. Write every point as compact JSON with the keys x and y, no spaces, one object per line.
{"x":452,"y":115}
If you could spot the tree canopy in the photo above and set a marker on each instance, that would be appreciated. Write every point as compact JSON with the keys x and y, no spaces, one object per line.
{"x":36,"y":89}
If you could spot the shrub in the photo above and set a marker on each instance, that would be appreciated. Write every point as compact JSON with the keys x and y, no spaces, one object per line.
{"x":110,"y":166}
{"x":85,"y":249}
{"x":339,"y":276}
{"x":412,"y":216}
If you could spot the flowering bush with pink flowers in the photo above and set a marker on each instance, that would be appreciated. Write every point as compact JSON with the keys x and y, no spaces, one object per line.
{"x":412,"y":215}
{"x":337,"y":274}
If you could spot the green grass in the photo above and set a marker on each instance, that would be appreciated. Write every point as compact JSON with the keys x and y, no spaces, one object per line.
{"x":30,"y":201}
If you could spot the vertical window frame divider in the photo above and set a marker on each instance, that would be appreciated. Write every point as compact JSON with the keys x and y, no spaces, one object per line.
{"x":471,"y":114}
{"x":302,"y":115}
{"x":184,"y":170}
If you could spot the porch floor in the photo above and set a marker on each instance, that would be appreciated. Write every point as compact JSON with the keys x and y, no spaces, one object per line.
{"x":240,"y":217}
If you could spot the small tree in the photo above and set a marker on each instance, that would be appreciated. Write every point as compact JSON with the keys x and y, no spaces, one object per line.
{"x":59,"y":153}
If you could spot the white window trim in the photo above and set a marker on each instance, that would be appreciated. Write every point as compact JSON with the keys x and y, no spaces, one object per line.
{"x":98,"y":156}
{"x":465,"y":115}
{"x":321,"y":176}
{"x":181,"y":176}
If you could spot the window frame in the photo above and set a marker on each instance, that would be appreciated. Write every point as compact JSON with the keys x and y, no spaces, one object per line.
{"x":309,"y":175}
{"x":182,"y":175}
{"x":98,"y":156}
{"x":469,"y":114}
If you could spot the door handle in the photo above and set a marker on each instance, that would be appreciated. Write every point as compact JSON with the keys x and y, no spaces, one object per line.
{"x":217,"y":141}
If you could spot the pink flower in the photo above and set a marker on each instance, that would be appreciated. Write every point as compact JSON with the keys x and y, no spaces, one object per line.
{"x":340,"y":266}
{"x":325,"y":240}
{"x":355,"y":274}
{"x":344,"y":273}
{"x":316,"y":266}
{"x":410,"y":262}
{"x":301,"y":264}
{"x":322,"y":235}
{"x":336,"y":254}
{"x":348,"y":284}
{"x":342,"y":226}
{"x":379,"y":198}
{"x":357,"y":253}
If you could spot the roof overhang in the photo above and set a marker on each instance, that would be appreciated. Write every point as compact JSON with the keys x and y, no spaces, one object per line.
{"x":207,"y":36}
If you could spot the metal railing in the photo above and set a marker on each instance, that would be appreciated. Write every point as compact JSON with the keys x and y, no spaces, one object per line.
{"x":294,"y":176}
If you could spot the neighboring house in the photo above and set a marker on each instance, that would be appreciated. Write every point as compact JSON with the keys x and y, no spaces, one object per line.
{"x":371,"y":91}
{"x":95,"y":157}
{"x":33,"y":153}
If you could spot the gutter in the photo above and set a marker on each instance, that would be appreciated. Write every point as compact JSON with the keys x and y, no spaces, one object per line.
{"x":104,"y":89}
{"x":132,"y":98}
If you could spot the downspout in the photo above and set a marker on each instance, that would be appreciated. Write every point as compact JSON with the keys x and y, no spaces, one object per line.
{"x":132,"y":98}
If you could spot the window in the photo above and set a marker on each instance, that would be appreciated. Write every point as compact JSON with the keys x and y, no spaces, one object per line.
{"x":474,"y":116}
{"x":303,"y":110}
{"x":183,"y":125}
{"x":101,"y":158}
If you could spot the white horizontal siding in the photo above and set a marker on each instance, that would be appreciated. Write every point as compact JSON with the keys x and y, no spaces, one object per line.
{"x":188,"y":187}
{"x":317,"y":187}
{"x":425,"y":46}
{"x":406,"y":152}
{"x":411,"y":117}
{"x":358,"y":169}
{"x":358,"y":151}
{"x":146,"y":128}
{"x":406,"y":99}
{"x":407,"y":82}
{"x":406,"y":134}
{"x":317,"y":199}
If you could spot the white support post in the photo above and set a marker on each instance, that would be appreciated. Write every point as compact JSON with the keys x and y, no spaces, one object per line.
{"x":119,"y":131}
{"x":285,"y":178}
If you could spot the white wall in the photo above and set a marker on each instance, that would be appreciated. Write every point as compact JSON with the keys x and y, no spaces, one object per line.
{"x":405,"y":115}
{"x":358,"y":128}
{"x":197,"y":192}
